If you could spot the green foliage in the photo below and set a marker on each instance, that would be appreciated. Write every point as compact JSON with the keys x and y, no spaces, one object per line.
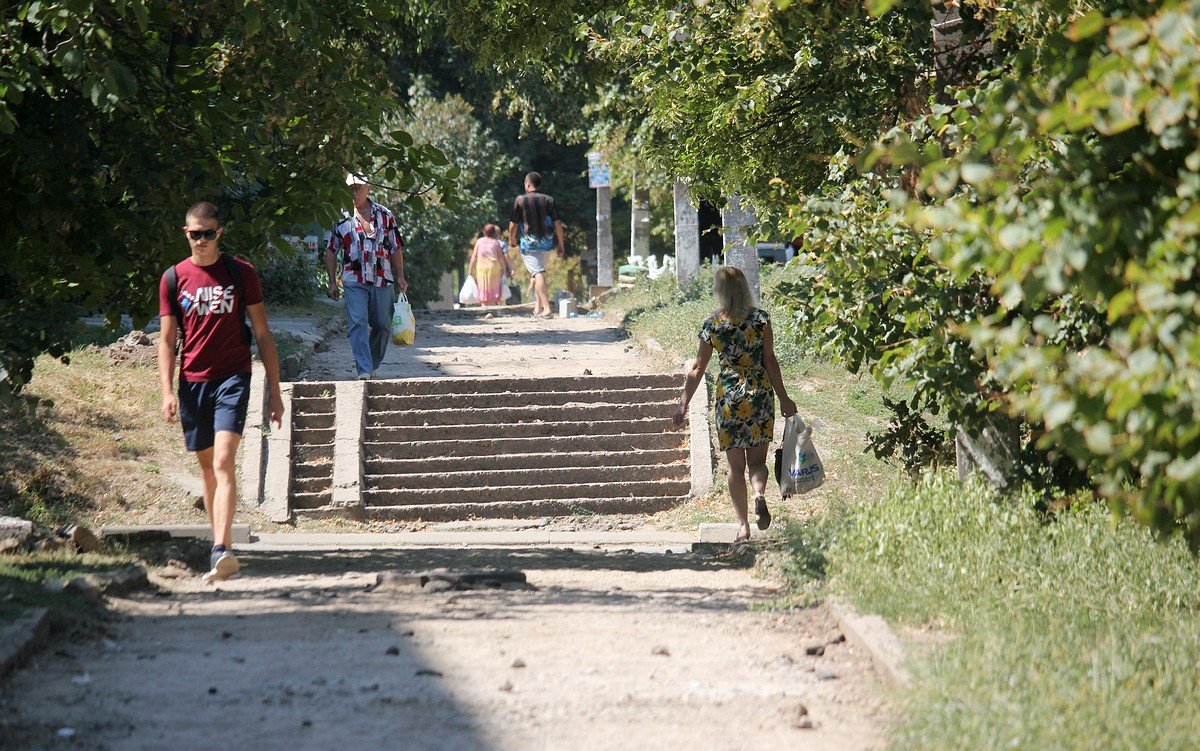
{"x":114,"y":119}
{"x":289,"y":278}
{"x":1069,"y":181}
{"x":439,"y":235}
{"x":1077,"y":633}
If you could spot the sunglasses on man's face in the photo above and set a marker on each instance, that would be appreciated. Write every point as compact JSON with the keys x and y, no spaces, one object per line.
{"x":198,"y":234}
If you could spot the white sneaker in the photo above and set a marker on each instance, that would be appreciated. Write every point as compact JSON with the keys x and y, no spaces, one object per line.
{"x":364,"y":376}
{"x":224,"y":566}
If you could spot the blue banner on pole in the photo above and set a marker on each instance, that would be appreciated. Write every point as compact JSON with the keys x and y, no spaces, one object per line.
{"x":599,"y":175}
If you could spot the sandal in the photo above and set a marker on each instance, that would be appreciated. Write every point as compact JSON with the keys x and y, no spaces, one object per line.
{"x":762,"y":513}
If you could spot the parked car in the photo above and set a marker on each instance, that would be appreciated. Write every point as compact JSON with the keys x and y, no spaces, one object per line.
{"x":776,"y":252}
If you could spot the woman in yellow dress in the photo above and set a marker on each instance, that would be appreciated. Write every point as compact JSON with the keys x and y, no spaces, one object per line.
{"x":489,"y":266}
{"x":746,"y":388}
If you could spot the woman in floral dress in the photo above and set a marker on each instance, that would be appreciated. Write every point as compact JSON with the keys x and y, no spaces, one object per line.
{"x":746,"y":388}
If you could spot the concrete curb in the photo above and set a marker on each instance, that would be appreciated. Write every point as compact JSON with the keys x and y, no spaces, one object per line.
{"x":873,"y":634}
{"x":700,"y":446}
{"x":22,"y":637}
{"x":134,"y":533}
{"x":292,"y":366}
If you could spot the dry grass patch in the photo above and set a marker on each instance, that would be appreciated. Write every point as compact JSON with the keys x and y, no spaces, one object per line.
{"x":95,"y":448}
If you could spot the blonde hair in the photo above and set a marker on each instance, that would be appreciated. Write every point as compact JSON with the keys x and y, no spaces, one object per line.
{"x":733,"y":293}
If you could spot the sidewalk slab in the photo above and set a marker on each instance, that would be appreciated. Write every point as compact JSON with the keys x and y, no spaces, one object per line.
{"x":240,"y":533}
{"x":726,"y":533}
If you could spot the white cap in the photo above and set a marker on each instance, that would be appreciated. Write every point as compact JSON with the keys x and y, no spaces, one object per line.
{"x":354,"y":178}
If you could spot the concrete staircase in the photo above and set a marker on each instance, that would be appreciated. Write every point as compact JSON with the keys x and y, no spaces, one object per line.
{"x":442,"y":449}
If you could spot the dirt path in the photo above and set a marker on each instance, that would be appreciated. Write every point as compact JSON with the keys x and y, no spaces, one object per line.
{"x":464,"y":343}
{"x":620,"y":649}
{"x":296,"y":655}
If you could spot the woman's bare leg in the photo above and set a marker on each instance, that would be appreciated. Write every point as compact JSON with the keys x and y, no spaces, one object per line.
{"x":756,"y":459}
{"x":737,"y":490}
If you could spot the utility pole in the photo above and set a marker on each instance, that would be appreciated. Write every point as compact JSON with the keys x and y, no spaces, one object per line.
{"x":738,"y":218}
{"x":687,"y":237}
{"x":600,"y":178}
{"x":639,"y":222}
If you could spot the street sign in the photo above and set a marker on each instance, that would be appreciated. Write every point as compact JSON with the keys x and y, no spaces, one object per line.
{"x":599,"y":175}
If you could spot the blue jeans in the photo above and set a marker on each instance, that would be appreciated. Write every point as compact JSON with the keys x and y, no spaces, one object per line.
{"x":369,"y":311}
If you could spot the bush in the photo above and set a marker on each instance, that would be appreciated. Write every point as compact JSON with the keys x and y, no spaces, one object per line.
{"x":290,"y":279}
{"x":1067,"y":181}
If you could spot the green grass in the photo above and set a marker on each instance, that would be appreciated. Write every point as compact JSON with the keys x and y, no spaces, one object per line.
{"x":286,"y":345}
{"x":23,"y":581}
{"x":1066,"y":631}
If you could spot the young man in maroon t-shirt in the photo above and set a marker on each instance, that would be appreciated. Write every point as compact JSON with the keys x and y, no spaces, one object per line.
{"x":214,"y":373}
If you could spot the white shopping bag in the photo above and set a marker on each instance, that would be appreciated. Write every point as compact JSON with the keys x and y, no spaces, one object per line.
{"x":505,"y":290}
{"x":469,"y":294}
{"x":404,"y":326}
{"x":797,"y":465}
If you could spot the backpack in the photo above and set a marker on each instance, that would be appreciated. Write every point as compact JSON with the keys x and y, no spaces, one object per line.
{"x":239,"y":289}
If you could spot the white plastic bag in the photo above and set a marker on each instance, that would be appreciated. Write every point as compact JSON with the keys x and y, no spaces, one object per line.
{"x":505,"y":290}
{"x":798,"y":467}
{"x":469,"y":294}
{"x":404,"y":326}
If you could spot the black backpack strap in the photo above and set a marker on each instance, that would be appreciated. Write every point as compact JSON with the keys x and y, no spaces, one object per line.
{"x":173,"y":295}
{"x":240,"y":289}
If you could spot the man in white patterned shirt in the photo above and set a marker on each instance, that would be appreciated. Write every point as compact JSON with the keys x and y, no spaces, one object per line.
{"x":366,"y":252}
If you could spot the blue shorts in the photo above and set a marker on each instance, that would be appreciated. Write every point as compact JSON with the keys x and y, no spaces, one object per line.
{"x":208,"y":407}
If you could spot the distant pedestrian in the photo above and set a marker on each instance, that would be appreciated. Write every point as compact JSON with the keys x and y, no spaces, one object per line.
{"x":208,"y":297}
{"x":366,"y":250}
{"x":536,"y":228}
{"x":745,"y":405}
{"x":489,"y":266}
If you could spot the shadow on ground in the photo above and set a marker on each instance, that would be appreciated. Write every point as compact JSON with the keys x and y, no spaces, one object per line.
{"x":268,"y":680}
{"x":292,"y":562}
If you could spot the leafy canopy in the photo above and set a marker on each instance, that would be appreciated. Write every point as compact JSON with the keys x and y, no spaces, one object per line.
{"x":116,"y":116}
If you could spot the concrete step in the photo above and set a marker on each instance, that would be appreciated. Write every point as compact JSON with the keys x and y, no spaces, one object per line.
{"x":414,"y":386}
{"x":564,"y":413}
{"x":493,"y":447}
{"x":313,"y":454}
{"x":310,"y":420}
{"x":312,"y":484}
{"x":411,"y":496}
{"x":473,"y":401}
{"x":312,"y":500}
{"x":522,"y":429}
{"x":312,"y":437}
{"x":313,"y":389}
{"x":513,"y":462}
{"x":312,"y":405}
{"x":305,"y":471}
{"x":554,"y":476}
{"x":435,"y":512}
